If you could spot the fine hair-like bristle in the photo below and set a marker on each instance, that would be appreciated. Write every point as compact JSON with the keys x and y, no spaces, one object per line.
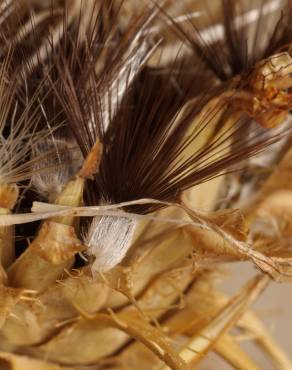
{"x":90,"y":83}
{"x":18,"y":131}
{"x":153,"y":149}
{"x":114,"y":136}
{"x":149,"y":141}
{"x":248,"y":33}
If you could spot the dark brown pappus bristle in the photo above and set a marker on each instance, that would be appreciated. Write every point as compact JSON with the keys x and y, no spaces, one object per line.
{"x":149,"y":138}
{"x":250,"y":33}
{"x":152,"y":149}
{"x":122,"y":189}
{"x":84,"y":70}
{"x":145,"y":135}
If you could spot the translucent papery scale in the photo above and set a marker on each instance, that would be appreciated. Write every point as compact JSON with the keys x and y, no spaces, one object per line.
{"x":16,"y":164}
{"x":61,"y":162}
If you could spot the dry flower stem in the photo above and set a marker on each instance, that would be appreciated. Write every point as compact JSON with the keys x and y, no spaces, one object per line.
{"x":228,"y":348}
{"x":222,"y":321}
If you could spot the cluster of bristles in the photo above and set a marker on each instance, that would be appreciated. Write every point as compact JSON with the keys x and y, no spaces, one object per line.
{"x":111,"y":118}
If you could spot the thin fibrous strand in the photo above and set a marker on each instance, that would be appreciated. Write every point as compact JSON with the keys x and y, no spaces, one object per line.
{"x":19,"y":131}
{"x":242,"y":39}
{"x":53,"y":37}
{"x":6,"y":8}
{"x":70,"y":48}
{"x":87,"y":95}
{"x":35,"y":36}
{"x":74,"y":73}
{"x":28,"y":28}
{"x":179,"y":19}
{"x":19,"y":27}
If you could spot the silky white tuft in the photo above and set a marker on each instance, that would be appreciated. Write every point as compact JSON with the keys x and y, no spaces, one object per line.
{"x":109,"y":238}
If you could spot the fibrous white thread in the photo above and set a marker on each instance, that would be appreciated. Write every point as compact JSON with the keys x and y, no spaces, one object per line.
{"x":109,"y":238}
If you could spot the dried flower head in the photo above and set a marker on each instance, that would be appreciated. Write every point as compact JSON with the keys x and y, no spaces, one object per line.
{"x":148,"y":152}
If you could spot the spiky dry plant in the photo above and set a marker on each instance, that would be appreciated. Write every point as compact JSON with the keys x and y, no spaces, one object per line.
{"x":143,"y":146}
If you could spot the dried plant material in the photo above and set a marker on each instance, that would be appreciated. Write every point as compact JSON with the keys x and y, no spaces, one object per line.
{"x":58,"y":234}
{"x":54,"y":248}
{"x":181,"y":12}
{"x":134,"y":356}
{"x":246,"y":34}
{"x":208,"y":334}
{"x":212,"y":114}
{"x":90,"y":97}
{"x":45,"y":259}
{"x":251,"y":324}
{"x":71,"y":195}
{"x":163,"y":293}
{"x":51,"y":38}
{"x":280,"y":179}
{"x":181,"y":139}
{"x":91,"y":162}
{"x":269,"y":216}
{"x":231,"y":221}
{"x":272,"y":217}
{"x":53,"y":308}
{"x":20,"y":133}
{"x":42,"y":211}
{"x":262,"y":73}
{"x":11,"y":13}
{"x":7,"y":252}
{"x":123,"y":142}
{"x":164,"y":257}
{"x":8,"y":195}
{"x":198,"y":305}
{"x":265,"y":96}
{"x":158,"y":256}
{"x":50,"y":178}
{"x":16,"y":362}
{"x":276,"y":267}
{"x":192,"y":166}
{"x":228,"y":348}
{"x":120,"y":326}
{"x":203,"y":303}
{"x":82,"y":292}
{"x":9,"y":297}
{"x":26,"y":325}
{"x":195,"y":197}
{"x":43,"y":317}
{"x":3,"y":276}
{"x":99,"y":240}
